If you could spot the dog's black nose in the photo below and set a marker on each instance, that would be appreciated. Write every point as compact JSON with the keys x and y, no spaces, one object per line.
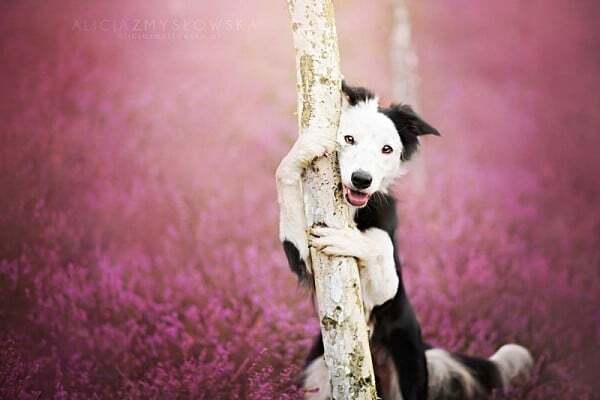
{"x":361,"y":179}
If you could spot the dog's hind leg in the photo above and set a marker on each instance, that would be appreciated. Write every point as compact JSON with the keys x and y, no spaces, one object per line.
{"x":315,"y":378}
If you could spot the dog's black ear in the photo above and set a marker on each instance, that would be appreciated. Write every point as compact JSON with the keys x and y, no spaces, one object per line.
{"x":411,"y":121}
{"x":354,"y":94}
{"x":409,"y":126}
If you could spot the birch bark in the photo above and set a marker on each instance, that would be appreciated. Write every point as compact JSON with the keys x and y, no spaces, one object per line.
{"x":337,"y":282}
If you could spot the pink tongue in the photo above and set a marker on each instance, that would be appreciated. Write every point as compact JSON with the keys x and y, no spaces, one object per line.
{"x":357,"y":198}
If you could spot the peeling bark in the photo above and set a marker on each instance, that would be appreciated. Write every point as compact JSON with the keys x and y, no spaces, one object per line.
{"x":337,"y":282}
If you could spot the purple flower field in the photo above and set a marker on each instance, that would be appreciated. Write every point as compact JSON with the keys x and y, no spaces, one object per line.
{"x":139,"y":255}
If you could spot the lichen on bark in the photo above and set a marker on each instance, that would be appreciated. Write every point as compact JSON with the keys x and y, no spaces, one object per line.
{"x":308,"y":80}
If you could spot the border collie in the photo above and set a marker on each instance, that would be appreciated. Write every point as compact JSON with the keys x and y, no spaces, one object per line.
{"x":374,"y":145}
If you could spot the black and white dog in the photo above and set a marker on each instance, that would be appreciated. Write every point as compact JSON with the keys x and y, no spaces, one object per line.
{"x":374,"y":145}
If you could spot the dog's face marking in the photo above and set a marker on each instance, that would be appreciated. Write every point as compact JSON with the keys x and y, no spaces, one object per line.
{"x":369,"y":146}
{"x":374,"y":142}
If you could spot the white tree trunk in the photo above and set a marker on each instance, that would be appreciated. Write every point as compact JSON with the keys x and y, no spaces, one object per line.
{"x":337,"y":282}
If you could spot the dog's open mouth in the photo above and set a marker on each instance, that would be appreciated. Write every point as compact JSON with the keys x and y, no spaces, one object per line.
{"x":355,"y":197}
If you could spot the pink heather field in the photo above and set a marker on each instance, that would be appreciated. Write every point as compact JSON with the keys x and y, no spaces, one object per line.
{"x":139,"y":254}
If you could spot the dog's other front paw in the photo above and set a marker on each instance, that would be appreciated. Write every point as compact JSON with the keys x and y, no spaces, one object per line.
{"x":348,"y":242}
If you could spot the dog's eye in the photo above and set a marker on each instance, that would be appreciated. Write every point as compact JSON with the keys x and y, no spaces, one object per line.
{"x":387,"y":149}
{"x":349,"y":139}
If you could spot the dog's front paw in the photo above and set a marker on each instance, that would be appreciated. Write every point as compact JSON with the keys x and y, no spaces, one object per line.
{"x":311,"y":146}
{"x":348,"y":242}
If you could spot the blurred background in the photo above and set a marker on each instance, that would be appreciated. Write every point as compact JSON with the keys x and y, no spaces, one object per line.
{"x":138,"y":221}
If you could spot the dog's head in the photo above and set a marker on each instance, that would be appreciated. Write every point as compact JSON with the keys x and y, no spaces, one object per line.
{"x":374,"y":143}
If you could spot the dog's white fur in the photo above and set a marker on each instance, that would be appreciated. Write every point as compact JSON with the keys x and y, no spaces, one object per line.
{"x":513,"y":361}
{"x":371,"y":131}
{"x":316,"y":381}
{"x":373,"y":249}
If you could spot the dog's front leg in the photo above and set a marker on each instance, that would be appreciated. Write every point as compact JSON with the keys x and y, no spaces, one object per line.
{"x":292,"y":221}
{"x":374,"y":251}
